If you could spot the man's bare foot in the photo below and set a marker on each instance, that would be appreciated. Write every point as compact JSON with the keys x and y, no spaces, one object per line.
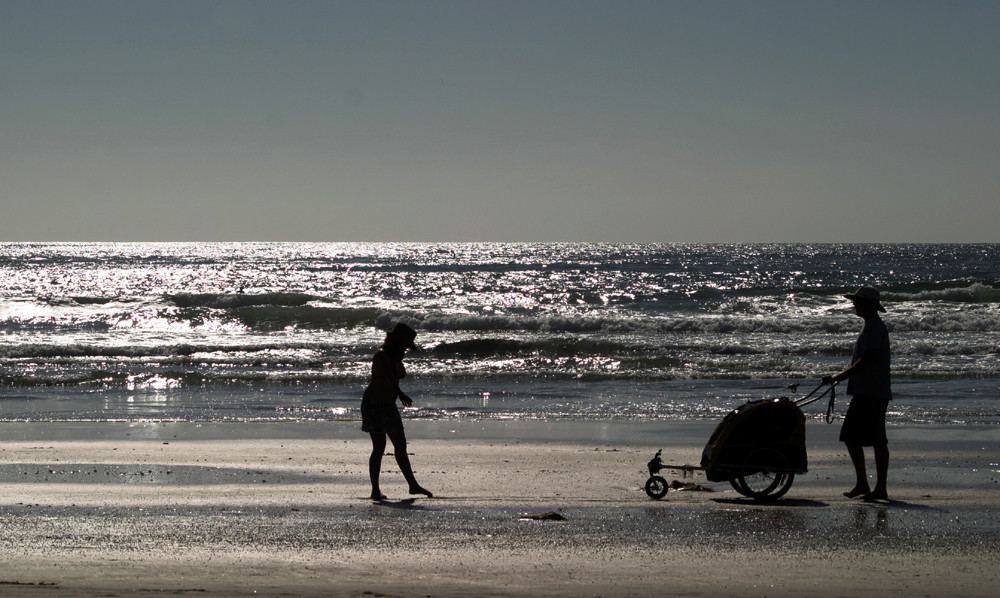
{"x":882,"y":495}
{"x":421,"y":490}
{"x":378,"y":496}
{"x":857,"y":491}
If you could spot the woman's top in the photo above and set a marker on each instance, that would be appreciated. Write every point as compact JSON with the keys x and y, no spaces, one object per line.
{"x":386,"y":372}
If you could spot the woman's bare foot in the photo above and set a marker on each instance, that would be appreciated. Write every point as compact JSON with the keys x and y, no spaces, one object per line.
{"x":417,"y":489}
{"x":378,"y":496}
{"x":880,"y":495}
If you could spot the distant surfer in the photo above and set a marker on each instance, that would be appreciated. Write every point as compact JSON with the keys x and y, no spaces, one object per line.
{"x":870,"y":389}
{"x":379,"y":415}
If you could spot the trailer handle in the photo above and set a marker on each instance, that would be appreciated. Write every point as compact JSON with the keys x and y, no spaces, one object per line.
{"x":806,"y":400}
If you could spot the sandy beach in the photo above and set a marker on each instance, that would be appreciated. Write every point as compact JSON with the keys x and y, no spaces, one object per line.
{"x":521,"y":508}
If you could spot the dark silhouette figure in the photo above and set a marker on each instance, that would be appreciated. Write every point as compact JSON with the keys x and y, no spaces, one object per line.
{"x":870,"y":388}
{"x":379,"y":415}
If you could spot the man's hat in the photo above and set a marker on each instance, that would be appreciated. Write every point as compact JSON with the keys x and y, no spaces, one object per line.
{"x":867,"y":294}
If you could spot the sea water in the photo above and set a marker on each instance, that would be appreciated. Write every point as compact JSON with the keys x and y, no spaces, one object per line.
{"x":216,"y":332}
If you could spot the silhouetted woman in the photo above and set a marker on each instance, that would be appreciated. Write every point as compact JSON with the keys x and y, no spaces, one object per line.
{"x":379,"y":415}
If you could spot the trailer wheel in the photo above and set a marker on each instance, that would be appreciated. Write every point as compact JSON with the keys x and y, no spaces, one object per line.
{"x":763,"y":482}
{"x":656,"y":487}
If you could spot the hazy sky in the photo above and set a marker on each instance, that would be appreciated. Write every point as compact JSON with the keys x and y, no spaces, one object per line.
{"x":471,"y":120}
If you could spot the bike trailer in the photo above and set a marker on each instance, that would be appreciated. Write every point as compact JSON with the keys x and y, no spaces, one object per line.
{"x":767,"y":434}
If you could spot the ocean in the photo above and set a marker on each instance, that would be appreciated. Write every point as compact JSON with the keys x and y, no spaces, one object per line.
{"x":218,"y":332}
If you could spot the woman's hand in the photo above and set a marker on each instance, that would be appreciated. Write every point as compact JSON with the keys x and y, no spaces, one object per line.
{"x":405,"y":400}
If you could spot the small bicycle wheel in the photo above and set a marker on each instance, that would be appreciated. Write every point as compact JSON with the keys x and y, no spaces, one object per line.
{"x":760,"y":480}
{"x":656,"y":487}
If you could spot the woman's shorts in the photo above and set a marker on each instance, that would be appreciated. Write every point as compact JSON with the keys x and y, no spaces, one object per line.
{"x":379,"y":418}
{"x":864,"y":423}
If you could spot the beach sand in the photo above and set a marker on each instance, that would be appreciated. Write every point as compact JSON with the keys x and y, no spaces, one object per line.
{"x":520,"y":508}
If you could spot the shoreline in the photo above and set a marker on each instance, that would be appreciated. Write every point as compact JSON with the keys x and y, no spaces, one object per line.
{"x":648,"y":432}
{"x":178,"y":509}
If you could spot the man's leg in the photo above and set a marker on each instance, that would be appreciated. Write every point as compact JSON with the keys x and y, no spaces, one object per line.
{"x":882,"y":471}
{"x":861,"y":488}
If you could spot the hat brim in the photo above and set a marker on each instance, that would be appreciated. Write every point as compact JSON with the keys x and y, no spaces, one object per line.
{"x":403,"y":342}
{"x":853,"y":297}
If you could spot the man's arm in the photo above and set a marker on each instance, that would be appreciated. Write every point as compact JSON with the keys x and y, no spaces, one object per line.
{"x":866,"y":360}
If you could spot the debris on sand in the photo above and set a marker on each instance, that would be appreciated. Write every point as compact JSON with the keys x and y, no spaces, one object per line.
{"x":550,"y":516}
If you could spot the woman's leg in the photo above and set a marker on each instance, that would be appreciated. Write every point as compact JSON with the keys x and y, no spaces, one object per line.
{"x":375,"y":463}
{"x":398,"y":438}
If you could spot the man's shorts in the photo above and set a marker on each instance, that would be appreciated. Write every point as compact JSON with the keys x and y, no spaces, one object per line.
{"x":864,"y":423}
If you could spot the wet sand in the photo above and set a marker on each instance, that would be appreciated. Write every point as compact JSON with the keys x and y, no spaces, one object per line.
{"x":525,"y":508}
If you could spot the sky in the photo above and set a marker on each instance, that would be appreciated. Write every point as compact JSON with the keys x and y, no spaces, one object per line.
{"x":474,"y":120}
